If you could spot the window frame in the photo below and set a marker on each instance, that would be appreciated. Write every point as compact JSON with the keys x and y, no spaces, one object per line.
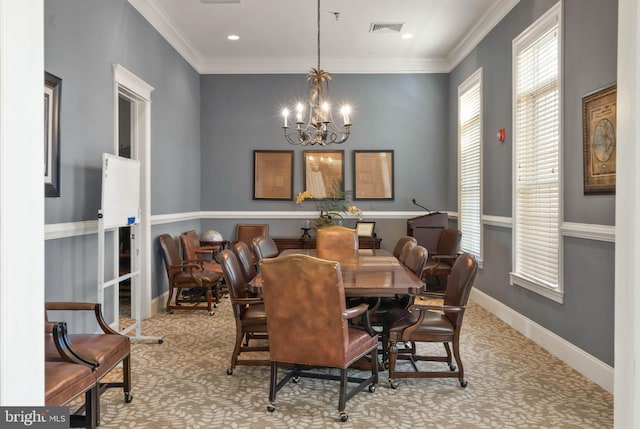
{"x":472,"y":81}
{"x":553,"y":18}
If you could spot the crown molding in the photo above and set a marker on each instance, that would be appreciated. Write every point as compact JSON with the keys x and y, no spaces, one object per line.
{"x":490,"y":19}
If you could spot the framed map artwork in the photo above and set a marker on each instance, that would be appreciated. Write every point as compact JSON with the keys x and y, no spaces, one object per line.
{"x":599,"y":141}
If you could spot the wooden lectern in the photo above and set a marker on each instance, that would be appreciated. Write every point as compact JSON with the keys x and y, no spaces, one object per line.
{"x":427,"y":229}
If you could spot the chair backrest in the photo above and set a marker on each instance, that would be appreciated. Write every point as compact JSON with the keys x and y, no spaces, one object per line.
{"x":337,"y":237}
{"x":463,"y":274}
{"x":170,"y":254}
{"x":416,"y":260}
{"x":234,"y":278}
{"x":190,"y":242}
{"x":304,"y":300}
{"x":246,"y":232}
{"x":400,"y":244}
{"x":246,"y":259}
{"x":406,"y":249}
{"x":264,"y":247}
{"x":449,"y":241}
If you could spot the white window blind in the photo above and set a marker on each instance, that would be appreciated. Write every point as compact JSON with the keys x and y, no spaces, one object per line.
{"x":470,"y":162}
{"x":537,"y":157}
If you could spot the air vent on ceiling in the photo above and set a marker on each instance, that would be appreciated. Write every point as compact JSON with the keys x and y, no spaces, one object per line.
{"x":386,"y":27}
{"x":220,"y":1}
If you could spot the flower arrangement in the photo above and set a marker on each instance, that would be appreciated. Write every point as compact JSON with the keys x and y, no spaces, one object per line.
{"x":332,"y":209}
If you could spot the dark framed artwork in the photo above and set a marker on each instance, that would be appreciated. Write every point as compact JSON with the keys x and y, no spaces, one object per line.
{"x":323,"y":172}
{"x":273,"y":175}
{"x":599,"y":141}
{"x":373,"y":175}
{"x":52,"y":86}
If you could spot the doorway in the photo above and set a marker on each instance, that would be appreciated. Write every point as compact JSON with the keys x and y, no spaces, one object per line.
{"x":124,"y":233}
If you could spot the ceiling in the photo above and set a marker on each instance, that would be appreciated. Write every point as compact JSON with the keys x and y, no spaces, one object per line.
{"x":280,"y":36}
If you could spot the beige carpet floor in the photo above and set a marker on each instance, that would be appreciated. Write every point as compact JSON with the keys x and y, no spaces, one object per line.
{"x":513,"y":383}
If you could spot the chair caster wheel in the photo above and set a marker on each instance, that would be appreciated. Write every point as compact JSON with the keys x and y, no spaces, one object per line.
{"x":393,"y":384}
{"x":215,"y":305}
{"x":372,"y":388}
{"x":128,"y":397}
{"x":344,"y":417}
{"x":296,"y":379}
{"x":463,"y":383}
{"x":271,"y":408}
{"x":211,"y":313}
{"x":229,"y":371}
{"x":170,"y":311}
{"x":452,"y":367}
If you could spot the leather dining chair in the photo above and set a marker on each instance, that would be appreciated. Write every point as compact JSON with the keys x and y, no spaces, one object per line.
{"x":308,"y":325}
{"x":248,"y":312}
{"x":189,"y":280}
{"x":192,"y":251}
{"x":246,"y":232}
{"x":264,"y":247}
{"x":336,"y":237}
{"x":406,"y":249}
{"x":400,"y":244}
{"x":432,"y":324}
{"x":246,"y":258}
{"x":439,"y":264}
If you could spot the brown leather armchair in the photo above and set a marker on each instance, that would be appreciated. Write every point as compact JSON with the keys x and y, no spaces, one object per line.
{"x":338,"y":238}
{"x":105,"y":351}
{"x":249,"y":313}
{"x":400,"y":244}
{"x":308,"y":325}
{"x":439,"y":264}
{"x":246,"y":232}
{"x":192,"y":251}
{"x":406,"y":249}
{"x":432,"y":323}
{"x":264,"y":247}
{"x":192,"y":283}
{"x":66,"y":377}
{"x":246,"y":258}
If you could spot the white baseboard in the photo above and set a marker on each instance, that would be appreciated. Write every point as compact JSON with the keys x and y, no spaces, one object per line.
{"x":587,"y":365}
{"x":158,"y":303}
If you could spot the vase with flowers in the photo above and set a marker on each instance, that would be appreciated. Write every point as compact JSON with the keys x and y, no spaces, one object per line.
{"x":332,"y":209}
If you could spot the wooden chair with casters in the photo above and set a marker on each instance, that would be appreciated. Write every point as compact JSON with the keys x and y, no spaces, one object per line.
{"x":248,"y":312}
{"x":192,"y":283}
{"x":105,"y":350}
{"x":194,"y":252}
{"x":246,"y":232}
{"x":397,"y":250}
{"x":433,"y":324}
{"x":264,"y":247}
{"x":67,"y":377}
{"x":308,"y":325}
{"x":439,"y":264}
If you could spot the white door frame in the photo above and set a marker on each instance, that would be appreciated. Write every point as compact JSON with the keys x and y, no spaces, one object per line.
{"x":138,"y":92}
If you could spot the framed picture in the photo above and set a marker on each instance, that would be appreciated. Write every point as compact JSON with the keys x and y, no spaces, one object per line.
{"x":273,"y":175}
{"x":373,"y":175}
{"x":323,"y":172}
{"x":366,"y":229}
{"x":599,"y":141}
{"x":52,"y":86}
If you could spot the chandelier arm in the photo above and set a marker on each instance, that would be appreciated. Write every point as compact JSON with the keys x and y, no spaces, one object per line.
{"x":318,"y":34}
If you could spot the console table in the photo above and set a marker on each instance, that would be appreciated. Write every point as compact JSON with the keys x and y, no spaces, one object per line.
{"x":310,"y":243}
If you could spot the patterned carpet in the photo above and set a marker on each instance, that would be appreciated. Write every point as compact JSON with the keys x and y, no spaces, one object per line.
{"x":513,"y":383}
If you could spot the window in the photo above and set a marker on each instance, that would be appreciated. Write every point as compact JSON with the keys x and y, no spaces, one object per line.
{"x":470,"y":164}
{"x":537,"y":176}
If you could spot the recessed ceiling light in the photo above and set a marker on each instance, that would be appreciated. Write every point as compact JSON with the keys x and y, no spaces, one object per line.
{"x":407,"y":36}
{"x":233,"y":37}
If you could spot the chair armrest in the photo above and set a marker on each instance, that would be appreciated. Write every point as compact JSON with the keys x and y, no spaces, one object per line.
{"x":447,"y":308}
{"x":58,"y":331}
{"x":352,"y":312}
{"x":444,"y":258}
{"x":247,"y":301}
{"x":83,"y":306}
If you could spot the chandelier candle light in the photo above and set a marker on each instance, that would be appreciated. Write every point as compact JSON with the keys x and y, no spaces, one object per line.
{"x":320,"y":129}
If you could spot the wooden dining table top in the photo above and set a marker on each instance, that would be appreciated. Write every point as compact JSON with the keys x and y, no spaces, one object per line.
{"x":365,"y":273}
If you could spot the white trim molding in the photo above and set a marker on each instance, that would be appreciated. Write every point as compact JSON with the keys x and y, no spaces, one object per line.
{"x":499,"y":221}
{"x":589,"y":366}
{"x":589,"y":231}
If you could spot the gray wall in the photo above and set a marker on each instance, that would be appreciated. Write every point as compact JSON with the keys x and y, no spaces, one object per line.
{"x":586,"y":317}
{"x":82,"y":41}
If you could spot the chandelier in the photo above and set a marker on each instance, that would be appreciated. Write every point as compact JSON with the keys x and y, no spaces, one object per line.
{"x":320,"y":128}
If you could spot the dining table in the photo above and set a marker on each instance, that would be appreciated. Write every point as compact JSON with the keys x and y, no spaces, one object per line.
{"x":365,"y":272}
